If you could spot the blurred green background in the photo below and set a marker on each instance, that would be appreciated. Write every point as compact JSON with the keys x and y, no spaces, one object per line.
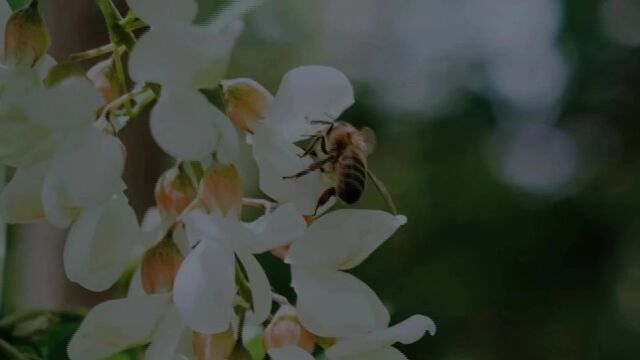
{"x":509,"y":136}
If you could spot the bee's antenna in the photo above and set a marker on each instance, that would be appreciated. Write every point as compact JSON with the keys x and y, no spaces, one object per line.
{"x":383,"y":191}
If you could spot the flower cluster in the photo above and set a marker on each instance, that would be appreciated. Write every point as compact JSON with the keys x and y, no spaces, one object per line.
{"x":68,"y":166}
{"x":199,"y":291}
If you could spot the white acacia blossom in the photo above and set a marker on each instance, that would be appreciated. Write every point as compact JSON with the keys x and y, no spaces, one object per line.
{"x":205,"y":286}
{"x":77,"y":173}
{"x":120,"y":324}
{"x":377,"y":344}
{"x":198,"y":288}
{"x":306,"y":94}
{"x":67,"y":171}
{"x":183,"y":58}
{"x":331,"y":302}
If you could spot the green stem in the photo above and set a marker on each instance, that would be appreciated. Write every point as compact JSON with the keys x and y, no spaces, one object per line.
{"x":118,"y":34}
{"x":136,"y":25}
{"x":92,"y":53}
{"x":146,"y":94}
{"x":122,"y":80}
{"x":243,"y":285}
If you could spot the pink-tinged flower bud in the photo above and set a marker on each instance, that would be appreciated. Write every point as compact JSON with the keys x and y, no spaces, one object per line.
{"x":213,"y":347}
{"x":174,"y":192}
{"x":245,"y":101}
{"x":104,"y":78}
{"x":221,"y":189}
{"x":285,"y":330}
{"x":160,"y":265}
{"x":26,"y":37}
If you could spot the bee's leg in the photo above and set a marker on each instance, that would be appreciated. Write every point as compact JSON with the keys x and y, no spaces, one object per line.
{"x":323,"y":144}
{"x":314,"y":166}
{"x":322,"y":122}
{"x":324,"y":198}
{"x":311,"y":146}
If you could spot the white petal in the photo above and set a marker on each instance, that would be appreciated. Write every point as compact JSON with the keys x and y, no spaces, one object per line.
{"x":167,"y":336}
{"x":276,"y":229}
{"x":135,"y":285}
{"x":43,"y":66}
{"x":116,"y":325}
{"x":228,"y":148}
{"x":406,"y":332}
{"x":58,"y":208}
{"x":309,"y":93}
{"x":336,"y":304}
{"x":205,"y":287}
{"x":18,"y":137}
{"x":151,"y":226}
{"x":99,"y":244}
{"x":162,"y":11}
{"x":289,"y":353}
{"x":342,"y":239}
{"x":200,"y":226}
{"x":276,"y":157}
{"x":260,"y":288}
{"x":151,"y":220}
{"x":182,"y":125}
{"x":231,"y":12}
{"x":89,"y":165}
{"x":180,"y":55}
{"x":68,"y":105}
{"x":266,"y":233}
{"x":20,"y":200}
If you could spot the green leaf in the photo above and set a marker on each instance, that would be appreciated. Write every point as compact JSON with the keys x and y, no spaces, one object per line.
{"x":17,"y":4}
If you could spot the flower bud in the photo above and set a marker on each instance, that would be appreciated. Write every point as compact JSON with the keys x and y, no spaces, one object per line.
{"x":26,"y":36}
{"x":221,"y":189}
{"x":104,"y":78}
{"x":286,"y":330}
{"x":174,"y":192}
{"x":213,"y":347}
{"x":245,"y":101}
{"x":160,"y":265}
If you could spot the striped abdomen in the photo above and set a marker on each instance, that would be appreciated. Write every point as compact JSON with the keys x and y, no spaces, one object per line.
{"x":351,"y":177}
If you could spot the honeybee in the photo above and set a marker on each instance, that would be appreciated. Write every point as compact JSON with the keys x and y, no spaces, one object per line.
{"x":340,"y":152}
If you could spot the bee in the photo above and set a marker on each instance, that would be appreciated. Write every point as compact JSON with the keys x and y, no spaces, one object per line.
{"x":340,"y":152}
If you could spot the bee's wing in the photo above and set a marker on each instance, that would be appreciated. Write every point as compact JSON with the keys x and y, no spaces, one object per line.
{"x":383,"y":191}
{"x":369,"y":138}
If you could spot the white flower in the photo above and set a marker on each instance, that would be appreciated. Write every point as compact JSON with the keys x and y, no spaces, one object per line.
{"x":306,"y":94}
{"x":183,"y":57}
{"x":85,"y":164}
{"x":117,"y":325}
{"x":205,"y":288}
{"x":99,"y":244}
{"x":377,"y":344}
{"x":73,"y":177}
{"x":333,"y":303}
{"x":19,"y":137}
